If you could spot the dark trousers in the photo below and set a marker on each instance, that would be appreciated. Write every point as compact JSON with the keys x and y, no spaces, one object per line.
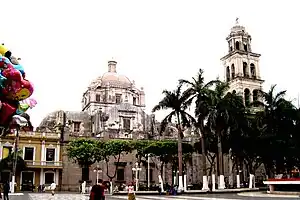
{"x":5,"y":196}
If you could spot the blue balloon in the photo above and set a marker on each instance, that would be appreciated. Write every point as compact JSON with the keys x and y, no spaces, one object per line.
{"x":20,"y":68}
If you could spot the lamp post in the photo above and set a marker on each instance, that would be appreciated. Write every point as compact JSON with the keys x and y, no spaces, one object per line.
{"x":18,"y":122}
{"x":97,"y":170}
{"x":136,"y":169}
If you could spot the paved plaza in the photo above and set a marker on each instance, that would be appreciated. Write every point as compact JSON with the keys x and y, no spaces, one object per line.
{"x":70,"y":196}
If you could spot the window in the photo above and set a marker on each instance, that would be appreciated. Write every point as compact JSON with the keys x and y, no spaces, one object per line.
{"x":245,"y":69}
{"x":98,"y":99}
{"x":120,"y":174}
{"x":134,"y":101}
{"x":245,"y":47}
{"x":6,"y":151}
{"x":49,"y":178}
{"x":27,"y":177}
{"x":28,"y":153}
{"x":126,"y":123}
{"x":50,"y":154}
{"x":118,"y":98}
{"x":76,"y":126}
{"x":237,"y":45}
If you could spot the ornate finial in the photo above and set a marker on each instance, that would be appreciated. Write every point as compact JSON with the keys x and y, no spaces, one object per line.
{"x":237,"y":20}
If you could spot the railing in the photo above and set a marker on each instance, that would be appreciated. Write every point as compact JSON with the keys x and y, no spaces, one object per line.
{"x":44,"y":163}
{"x":34,"y":134}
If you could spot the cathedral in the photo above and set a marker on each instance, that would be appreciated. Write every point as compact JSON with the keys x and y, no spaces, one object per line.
{"x":113,"y":107}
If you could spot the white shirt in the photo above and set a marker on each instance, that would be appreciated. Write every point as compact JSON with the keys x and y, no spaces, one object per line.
{"x":130,"y":189}
{"x":53,"y":186}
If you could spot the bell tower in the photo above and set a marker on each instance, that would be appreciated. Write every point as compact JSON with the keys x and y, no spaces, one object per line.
{"x":241,"y":65}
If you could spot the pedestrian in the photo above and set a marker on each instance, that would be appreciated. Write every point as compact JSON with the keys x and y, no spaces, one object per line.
{"x":53,"y":187}
{"x":6,"y":188}
{"x":130,"y":189}
{"x":98,"y":191}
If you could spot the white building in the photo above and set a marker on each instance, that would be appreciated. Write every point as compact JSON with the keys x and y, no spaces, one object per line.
{"x":241,"y":65}
{"x":115,"y":103}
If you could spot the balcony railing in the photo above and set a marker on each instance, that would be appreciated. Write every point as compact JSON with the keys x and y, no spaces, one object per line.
{"x":34,"y":134}
{"x":31,"y":163}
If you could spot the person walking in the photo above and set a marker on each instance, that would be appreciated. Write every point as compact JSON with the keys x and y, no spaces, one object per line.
{"x":98,"y":191}
{"x":130,"y":189}
{"x":6,"y":188}
{"x":53,"y":187}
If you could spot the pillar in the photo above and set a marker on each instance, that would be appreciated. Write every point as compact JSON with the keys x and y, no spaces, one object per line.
{"x":43,"y":153}
{"x":57,"y":154}
{"x":42,"y":176}
{"x":56,"y":176}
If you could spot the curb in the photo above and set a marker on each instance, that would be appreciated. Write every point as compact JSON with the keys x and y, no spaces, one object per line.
{"x":265,"y":194}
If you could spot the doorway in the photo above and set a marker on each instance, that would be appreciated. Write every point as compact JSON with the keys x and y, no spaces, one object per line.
{"x":27,"y":181}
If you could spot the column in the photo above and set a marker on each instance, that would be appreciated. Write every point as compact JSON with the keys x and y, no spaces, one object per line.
{"x":56,"y":176}
{"x":42,"y":176}
{"x":43,"y":153}
{"x":57,"y":154}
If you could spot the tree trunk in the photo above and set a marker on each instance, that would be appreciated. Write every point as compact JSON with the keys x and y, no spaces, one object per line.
{"x":180,"y":169}
{"x":203,"y":152}
{"x":85,"y":173}
{"x":221,"y":165}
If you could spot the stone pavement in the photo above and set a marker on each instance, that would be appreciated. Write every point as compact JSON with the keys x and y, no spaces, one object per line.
{"x":72,"y":196}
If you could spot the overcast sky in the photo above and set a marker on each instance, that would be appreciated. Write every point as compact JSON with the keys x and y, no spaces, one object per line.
{"x":65,"y":44}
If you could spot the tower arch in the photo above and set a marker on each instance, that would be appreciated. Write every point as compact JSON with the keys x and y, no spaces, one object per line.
{"x":247,"y":97}
{"x":227,"y":73}
{"x":232,"y":71}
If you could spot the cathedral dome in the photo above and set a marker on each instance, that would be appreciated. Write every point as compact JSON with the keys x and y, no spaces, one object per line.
{"x":112,"y":78}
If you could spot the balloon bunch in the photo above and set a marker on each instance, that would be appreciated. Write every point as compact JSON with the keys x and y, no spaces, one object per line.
{"x":15,"y":89}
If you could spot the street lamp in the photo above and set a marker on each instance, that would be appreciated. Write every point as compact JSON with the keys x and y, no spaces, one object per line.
{"x":18,"y":122}
{"x":97,"y":170}
{"x":136,"y":169}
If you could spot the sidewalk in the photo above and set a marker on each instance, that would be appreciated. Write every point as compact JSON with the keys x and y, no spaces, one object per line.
{"x":237,"y":190}
{"x":18,"y":196}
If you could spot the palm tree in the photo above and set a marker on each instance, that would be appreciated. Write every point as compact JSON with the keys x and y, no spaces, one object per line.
{"x":223,"y":114}
{"x":200,"y":92}
{"x":178,"y":103}
{"x":275,"y":111}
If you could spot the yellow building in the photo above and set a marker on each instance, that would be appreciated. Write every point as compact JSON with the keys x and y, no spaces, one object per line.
{"x":42,"y":154}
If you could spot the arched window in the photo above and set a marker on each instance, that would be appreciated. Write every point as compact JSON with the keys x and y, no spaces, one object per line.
{"x":245,"y":69}
{"x":247,"y":97}
{"x":232,"y":71}
{"x":227,"y":74}
{"x":237,"y":45}
{"x":245,"y":47}
{"x":255,"y":95}
{"x":252,"y":70}
{"x":233,"y":92}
